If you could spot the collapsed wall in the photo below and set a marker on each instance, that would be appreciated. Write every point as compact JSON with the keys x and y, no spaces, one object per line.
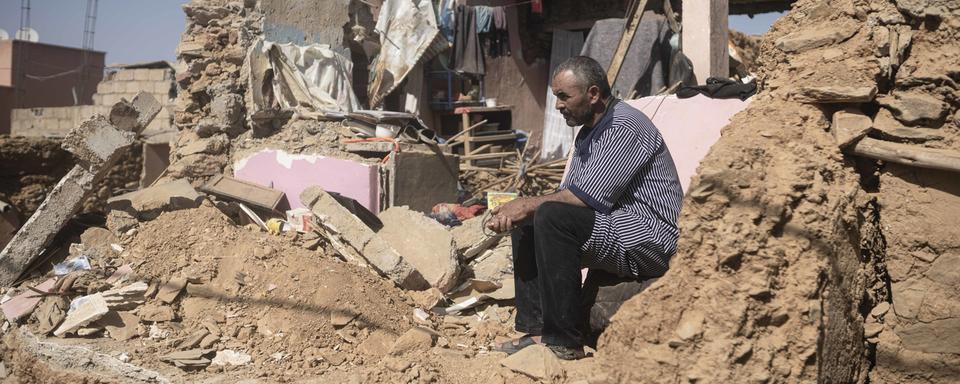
{"x":800,"y":262}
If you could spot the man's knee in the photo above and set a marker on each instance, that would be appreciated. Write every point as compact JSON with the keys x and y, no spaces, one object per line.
{"x":554,"y":214}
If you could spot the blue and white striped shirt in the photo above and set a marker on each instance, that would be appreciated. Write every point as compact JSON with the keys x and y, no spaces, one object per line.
{"x":623,"y":170}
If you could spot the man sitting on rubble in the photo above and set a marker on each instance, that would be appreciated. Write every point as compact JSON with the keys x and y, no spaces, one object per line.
{"x":616,"y":211}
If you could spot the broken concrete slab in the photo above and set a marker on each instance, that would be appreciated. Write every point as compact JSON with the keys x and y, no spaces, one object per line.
{"x":470,"y":239}
{"x":66,"y":198}
{"x":836,"y":94}
{"x":536,"y":361}
{"x":231,"y":357}
{"x":424,"y":243}
{"x":357,"y":238}
{"x":244,"y":191}
{"x":148,"y":203}
{"x":127,"y":297}
{"x":83,"y":310}
{"x":916,"y":108}
{"x":23,"y":304}
{"x":849,"y":126}
{"x":891,"y":128}
{"x":157,"y":313}
{"x":193,"y":358}
{"x":814,"y":38}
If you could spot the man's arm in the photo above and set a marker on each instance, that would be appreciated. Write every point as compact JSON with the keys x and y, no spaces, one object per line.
{"x":523,"y":208}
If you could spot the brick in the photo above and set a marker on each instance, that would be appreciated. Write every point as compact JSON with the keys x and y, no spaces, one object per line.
{"x":158,"y":74}
{"x":141,"y":74}
{"x":132,"y":87}
{"x":123,"y":75}
{"x":104,"y":87}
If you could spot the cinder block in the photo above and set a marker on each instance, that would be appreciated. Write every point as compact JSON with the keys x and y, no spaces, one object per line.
{"x":104,"y":87}
{"x":158,"y":74}
{"x":123,"y":75}
{"x":141,"y":74}
{"x":164,"y":87}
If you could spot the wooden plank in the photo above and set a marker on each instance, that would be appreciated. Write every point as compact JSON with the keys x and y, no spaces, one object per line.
{"x":705,"y":37}
{"x":480,"y":149}
{"x":489,"y":138}
{"x":907,"y":154}
{"x":633,"y":15}
{"x":243,"y":191}
{"x":453,"y":139}
{"x":497,"y":155}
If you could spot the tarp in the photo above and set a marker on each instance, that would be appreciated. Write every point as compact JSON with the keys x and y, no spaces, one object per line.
{"x":408,"y":35}
{"x":310,"y":79}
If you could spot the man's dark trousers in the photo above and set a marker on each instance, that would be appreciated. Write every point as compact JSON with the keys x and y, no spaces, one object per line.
{"x":547,"y":263}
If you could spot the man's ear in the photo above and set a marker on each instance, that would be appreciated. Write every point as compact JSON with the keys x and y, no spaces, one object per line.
{"x":594,"y":94}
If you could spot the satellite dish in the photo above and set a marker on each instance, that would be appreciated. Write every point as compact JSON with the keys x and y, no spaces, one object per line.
{"x":4,"y":35}
{"x":28,"y":34}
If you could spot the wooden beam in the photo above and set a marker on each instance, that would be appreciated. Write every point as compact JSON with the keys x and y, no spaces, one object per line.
{"x":489,"y":138}
{"x":498,"y":155}
{"x":907,"y":154}
{"x":630,"y":30}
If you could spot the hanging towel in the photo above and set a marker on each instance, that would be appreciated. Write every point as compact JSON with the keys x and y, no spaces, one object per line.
{"x":484,"y":18}
{"x":467,"y":53}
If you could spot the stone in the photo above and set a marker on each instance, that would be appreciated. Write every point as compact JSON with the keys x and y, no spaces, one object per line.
{"x":342,"y":316}
{"x":416,"y":339}
{"x":227,"y":109}
{"x":424,"y":243}
{"x":880,"y":309}
{"x":96,"y":143}
{"x":810,"y":38}
{"x":890,"y":127}
{"x":915,"y":108}
{"x":691,"y":325}
{"x":231,"y":357}
{"x":127,"y":297}
{"x":537,"y":362}
{"x":171,"y":289}
{"x":849,"y":126}
{"x":357,"y":242}
{"x":922,"y":8}
{"x":938,"y":336}
{"x":100,"y":241}
{"x":213,"y":145}
{"x":148,"y":203}
{"x":945,"y":269}
{"x":157,"y":313}
{"x":121,"y":326}
{"x":378,"y":344}
{"x":195,"y":339}
{"x":85,"y":309}
{"x":209,"y":340}
{"x":872,"y":329}
{"x":836,"y":94}
{"x":907,"y":297}
{"x":119,"y":222}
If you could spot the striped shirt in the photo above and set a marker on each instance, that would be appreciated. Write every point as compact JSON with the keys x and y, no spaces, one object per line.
{"x":622,"y":169}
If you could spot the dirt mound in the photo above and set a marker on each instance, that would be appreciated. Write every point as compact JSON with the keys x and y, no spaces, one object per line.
{"x":781,"y":270}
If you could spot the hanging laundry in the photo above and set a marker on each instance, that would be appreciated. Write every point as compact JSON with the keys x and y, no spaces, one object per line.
{"x":445,"y":19}
{"x":499,"y":39}
{"x":467,"y":53}
{"x":484,"y":18}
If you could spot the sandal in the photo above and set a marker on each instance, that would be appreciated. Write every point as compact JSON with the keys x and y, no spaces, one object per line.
{"x":515,"y":345}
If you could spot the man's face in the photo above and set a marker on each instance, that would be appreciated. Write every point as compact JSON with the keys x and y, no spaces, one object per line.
{"x":573,"y":101}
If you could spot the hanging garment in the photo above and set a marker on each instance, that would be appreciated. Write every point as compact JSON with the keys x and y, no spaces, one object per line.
{"x":445,"y":20}
{"x":467,"y":53}
{"x":646,"y":63}
{"x":484,"y":18}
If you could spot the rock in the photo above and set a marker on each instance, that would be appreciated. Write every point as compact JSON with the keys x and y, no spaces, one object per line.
{"x":916,"y":108}
{"x":907,"y":296}
{"x":213,"y":145}
{"x":357,"y":242}
{"x":945,"y":269}
{"x":100,"y":241}
{"x":939,"y":336}
{"x":193,"y":358}
{"x":424,"y":243}
{"x":849,"y":126}
{"x":83,"y":311}
{"x":171,"y":289}
{"x":880,"y":310}
{"x":121,"y":326}
{"x":691,"y":325}
{"x":156,"y":313}
{"x":836,"y":94}
{"x":148,"y":203}
{"x":416,"y":339}
{"x":127,"y":297}
{"x":872,"y":329}
{"x":889,"y":127}
{"x":194,"y":339}
{"x":333,"y":357}
{"x":119,"y":222}
{"x":157,"y":333}
{"x":536,"y":361}
{"x":209,"y":340}
{"x":377,"y":344}
{"x":231,"y":357}
{"x":396,"y":364}
{"x":814,"y":38}
{"x":922,"y":8}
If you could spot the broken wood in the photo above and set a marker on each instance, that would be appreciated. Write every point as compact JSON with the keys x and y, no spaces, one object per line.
{"x":907,"y":154}
{"x":453,"y":139}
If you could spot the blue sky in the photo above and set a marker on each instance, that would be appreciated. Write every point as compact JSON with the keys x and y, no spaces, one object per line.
{"x":132,"y":31}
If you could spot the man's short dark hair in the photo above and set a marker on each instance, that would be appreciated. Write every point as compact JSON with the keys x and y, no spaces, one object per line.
{"x":587,"y":71}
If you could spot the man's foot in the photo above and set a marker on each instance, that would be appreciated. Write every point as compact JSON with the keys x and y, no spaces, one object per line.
{"x":515,"y":345}
{"x":567,"y":353}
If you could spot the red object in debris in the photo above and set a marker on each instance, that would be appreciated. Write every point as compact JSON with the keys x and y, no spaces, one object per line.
{"x":462,"y":213}
{"x":536,"y":6}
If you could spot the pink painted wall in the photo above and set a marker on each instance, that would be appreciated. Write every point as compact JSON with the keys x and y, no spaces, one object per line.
{"x":293,"y":173}
{"x":689,"y":126}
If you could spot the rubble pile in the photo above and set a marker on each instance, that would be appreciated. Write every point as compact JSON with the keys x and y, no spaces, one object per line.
{"x":801,"y":256}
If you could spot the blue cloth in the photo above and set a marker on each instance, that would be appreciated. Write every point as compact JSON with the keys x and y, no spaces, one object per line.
{"x":622,"y":169}
{"x":445,"y":19}
{"x":484,"y":18}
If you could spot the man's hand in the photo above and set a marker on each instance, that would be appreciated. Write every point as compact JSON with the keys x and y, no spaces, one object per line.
{"x":505,"y":216}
